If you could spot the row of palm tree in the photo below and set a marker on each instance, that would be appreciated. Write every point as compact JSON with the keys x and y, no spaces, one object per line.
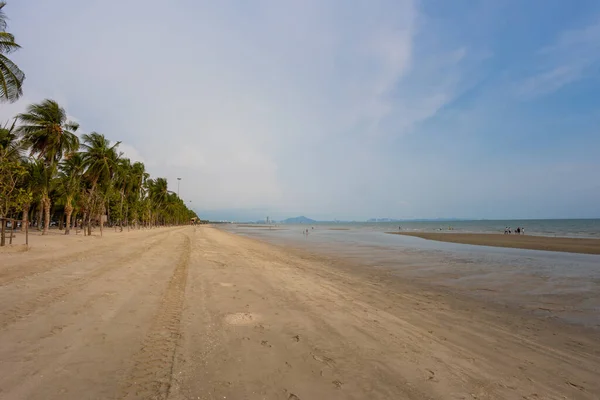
{"x":46,"y":166}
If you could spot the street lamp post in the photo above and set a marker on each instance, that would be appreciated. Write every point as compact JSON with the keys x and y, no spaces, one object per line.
{"x":178,"y":180}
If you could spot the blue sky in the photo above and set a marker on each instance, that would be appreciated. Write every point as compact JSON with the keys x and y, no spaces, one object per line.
{"x":337,"y":109}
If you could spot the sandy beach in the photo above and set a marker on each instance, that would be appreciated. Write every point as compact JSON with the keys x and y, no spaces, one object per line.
{"x":199,"y":313}
{"x":568,"y":245}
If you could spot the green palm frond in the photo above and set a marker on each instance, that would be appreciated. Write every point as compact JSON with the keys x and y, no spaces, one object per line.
{"x":11,"y":147}
{"x":7,"y":43}
{"x":11,"y":80}
{"x":3,"y":17}
{"x":46,"y":129}
{"x":11,"y":77}
{"x":100,"y":157}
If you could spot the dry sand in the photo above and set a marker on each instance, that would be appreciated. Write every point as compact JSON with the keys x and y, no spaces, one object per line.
{"x":198,"y":313}
{"x":568,"y":245}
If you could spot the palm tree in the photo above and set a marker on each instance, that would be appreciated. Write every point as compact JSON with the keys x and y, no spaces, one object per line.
{"x":124,"y":182}
{"x":11,"y":148}
{"x":69,"y":178}
{"x":50,"y":136}
{"x":11,"y":77}
{"x":100,"y":159}
{"x":31,"y":183}
{"x":158,"y":195}
{"x":138,"y":178}
{"x":12,"y":172}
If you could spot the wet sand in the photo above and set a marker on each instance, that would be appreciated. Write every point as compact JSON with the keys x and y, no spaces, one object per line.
{"x":199,"y":313}
{"x":568,"y":245}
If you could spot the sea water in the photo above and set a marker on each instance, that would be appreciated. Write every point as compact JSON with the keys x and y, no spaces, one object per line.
{"x":548,"y":284}
{"x":544,"y":227}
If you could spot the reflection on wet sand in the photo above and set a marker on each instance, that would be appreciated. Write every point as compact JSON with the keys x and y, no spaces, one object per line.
{"x":547,"y":284}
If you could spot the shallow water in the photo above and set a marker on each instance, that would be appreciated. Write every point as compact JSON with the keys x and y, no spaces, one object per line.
{"x":549,"y":284}
{"x":543,"y":227}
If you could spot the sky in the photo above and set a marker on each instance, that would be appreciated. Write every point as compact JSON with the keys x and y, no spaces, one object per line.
{"x":334,"y":109}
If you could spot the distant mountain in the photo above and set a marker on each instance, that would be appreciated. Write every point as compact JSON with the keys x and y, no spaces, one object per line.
{"x":383,"y":220}
{"x":298,"y":220}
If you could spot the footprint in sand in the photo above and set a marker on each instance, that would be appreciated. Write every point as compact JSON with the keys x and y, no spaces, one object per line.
{"x":242,"y":318}
{"x":323,"y":359}
{"x":431,"y":374}
{"x":226,"y":284}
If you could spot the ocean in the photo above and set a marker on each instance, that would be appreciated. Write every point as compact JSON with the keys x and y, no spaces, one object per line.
{"x":589,"y":228}
{"x":547,"y":284}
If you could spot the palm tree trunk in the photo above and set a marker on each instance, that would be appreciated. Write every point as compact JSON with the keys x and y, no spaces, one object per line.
{"x":39,"y":217}
{"x":83,"y":222}
{"x":25,"y":216}
{"x":68,"y":212}
{"x":92,"y":210}
{"x":46,"y":204}
{"x":89,"y":224}
{"x":121,"y":219}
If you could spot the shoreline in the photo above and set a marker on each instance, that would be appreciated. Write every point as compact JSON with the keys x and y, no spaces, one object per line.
{"x":237,"y":317}
{"x":528,"y":242}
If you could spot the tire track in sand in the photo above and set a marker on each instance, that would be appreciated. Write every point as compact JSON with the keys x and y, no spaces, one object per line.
{"x":52,"y":295}
{"x":152,"y":372}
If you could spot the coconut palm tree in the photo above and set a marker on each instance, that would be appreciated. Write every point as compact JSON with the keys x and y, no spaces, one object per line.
{"x":11,"y":77}
{"x":31,"y":184}
{"x":11,"y":147}
{"x":158,"y":195}
{"x":100,"y":159}
{"x":12,"y":150}
{"x":44,"y":127}
{"x":138,"y":176}
{"x":12,"y":173}
{"x":124,"y":183}
{"x":69,"y":181}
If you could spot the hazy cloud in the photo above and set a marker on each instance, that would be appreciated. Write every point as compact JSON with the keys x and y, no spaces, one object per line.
{"x":569,"y":59}
{"x":339,"y":109}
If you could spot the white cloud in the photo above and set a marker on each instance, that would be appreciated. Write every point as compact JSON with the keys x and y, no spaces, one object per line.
{"x":567,"y":60}
{"x":280,"y":105}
